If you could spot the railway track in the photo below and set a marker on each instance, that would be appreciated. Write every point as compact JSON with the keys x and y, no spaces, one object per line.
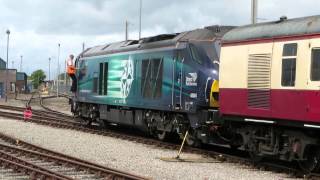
{"x":39,"y":163}
{"x":61,"y":120}
{"x":22,"y":160}
{"x":218,"y":155}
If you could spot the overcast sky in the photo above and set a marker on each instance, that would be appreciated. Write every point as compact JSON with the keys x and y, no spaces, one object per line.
{"x":37,"y":26}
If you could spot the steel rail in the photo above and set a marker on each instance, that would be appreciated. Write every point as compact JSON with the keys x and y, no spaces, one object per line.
{"x":70,"y":161}
{"x":207,"y":153}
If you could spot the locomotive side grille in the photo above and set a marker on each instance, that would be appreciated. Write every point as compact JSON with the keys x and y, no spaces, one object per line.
{"x":259,"y":81}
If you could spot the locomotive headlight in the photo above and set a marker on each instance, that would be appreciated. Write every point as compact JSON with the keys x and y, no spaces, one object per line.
{"x":214,"y":71}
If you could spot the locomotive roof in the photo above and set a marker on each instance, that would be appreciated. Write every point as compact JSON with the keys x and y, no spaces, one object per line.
{"x":281,"y":28}
{"x":164,"y":40}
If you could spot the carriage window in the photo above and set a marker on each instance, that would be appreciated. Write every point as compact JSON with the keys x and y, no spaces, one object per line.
{"x":290,"y":49}
{"x":315,"y":65}
{"x":289,"y":54}
{"x":288,"y":72}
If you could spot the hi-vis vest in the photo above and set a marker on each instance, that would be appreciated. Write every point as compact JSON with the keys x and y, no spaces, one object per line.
{"x":70,"y":68}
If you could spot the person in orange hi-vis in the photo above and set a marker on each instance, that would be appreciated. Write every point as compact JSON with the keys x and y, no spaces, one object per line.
{"x":71,"y":70}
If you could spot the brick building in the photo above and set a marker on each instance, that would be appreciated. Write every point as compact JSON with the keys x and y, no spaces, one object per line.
{"x":11,"y":82}
{"x":2,"y":64}
{"x":21,"y":83}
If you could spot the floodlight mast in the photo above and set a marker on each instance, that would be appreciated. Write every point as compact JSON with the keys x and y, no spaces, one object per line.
{"x":254,"y":11}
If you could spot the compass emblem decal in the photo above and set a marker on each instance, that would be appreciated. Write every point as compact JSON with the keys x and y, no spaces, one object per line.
{"x":127,"y":78}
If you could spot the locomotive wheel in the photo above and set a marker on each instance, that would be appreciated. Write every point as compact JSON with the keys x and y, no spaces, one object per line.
{"x":101,"y":123}
{"x":88,"y":122}
{"x":312,"y":160}
{"x":161,"y":135}
{"x":255,"y":157}
{"x":236,"y":141}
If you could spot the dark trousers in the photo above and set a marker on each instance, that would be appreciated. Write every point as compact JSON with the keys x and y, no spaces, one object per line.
{"x":74,"y":83}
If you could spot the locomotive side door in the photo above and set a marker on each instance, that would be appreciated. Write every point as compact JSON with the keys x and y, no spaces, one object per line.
{"x":178,"y":76}
{"x":177,"y":81}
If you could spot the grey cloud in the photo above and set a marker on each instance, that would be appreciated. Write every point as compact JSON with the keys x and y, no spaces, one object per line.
{"x":72,"y":22}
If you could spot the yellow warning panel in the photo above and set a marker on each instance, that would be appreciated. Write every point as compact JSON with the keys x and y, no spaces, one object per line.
{"x":214,"y":94}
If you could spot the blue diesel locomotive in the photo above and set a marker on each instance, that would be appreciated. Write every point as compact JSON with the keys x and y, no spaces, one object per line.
{"x":159,"y":84}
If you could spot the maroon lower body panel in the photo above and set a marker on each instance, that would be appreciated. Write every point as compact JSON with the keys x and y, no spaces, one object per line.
{"x":299,"y":105}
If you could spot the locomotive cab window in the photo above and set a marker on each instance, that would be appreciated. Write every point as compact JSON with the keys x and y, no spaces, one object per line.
{"x":288,"y":76}
{"x":195,"y":54}
{"x":315,"y":65}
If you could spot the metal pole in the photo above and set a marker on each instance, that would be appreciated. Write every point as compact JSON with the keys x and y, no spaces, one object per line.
{"x":49,"y":69}
{"x":254,"y":11}
{"x":7,"y":76}
{"x":184,"y":139}
{"x":82,"y":46}
{"x":58,"y":70}
{"x":126,"y":30}
{"x":21,"y":63}
{"x":65,"y":75}
{"x":140,"y":11}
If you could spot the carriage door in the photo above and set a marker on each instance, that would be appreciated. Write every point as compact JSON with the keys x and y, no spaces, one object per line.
{"x":177,"y":81}
{"x":313,"y":75}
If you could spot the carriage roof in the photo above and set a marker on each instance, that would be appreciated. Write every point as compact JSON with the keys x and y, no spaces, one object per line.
{"x":281,"y":28}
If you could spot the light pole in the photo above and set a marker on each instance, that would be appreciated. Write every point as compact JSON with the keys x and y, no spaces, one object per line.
{"x":58,"y":70}
{"x":21,"y":63}
{"x":8,"y":34}
{"x":49,"y":68}
{"x":65,"y":75}
{"x":140,"y":11}
{"x":127,"y":24}
{"x":254,"y":11}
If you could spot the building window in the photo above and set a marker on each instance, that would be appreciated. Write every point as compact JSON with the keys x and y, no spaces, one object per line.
{"x":289,"y":54}
{"x":151,"y":78}
{"x":12,"y":87}
{"x":315,"y":65}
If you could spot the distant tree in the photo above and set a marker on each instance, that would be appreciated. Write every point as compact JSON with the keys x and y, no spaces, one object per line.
{"x":37,"y":77}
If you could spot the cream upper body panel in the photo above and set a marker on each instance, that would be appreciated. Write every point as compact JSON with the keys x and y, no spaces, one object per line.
{"x":234,"y":64}
{"x":276,"y":55}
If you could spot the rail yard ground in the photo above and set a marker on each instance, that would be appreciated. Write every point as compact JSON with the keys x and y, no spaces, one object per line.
{"x":121,"y":154}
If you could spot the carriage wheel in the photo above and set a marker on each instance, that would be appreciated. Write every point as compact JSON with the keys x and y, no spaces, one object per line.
{"x":311,"y":160}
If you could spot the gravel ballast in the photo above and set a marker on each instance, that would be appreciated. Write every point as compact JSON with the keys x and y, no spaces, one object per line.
{"x":129,"y":156}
